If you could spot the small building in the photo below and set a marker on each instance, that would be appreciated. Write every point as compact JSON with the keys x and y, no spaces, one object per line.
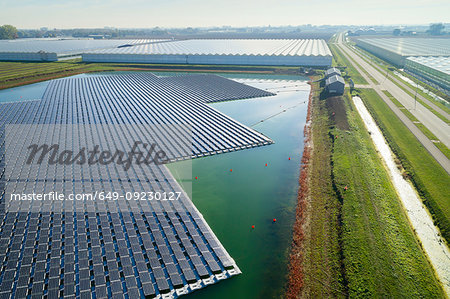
{"x":332,"y":71}
{"x":335,"y":85}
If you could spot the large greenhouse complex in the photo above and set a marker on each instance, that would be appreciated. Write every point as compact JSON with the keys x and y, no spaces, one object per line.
{"x":396,"y":50}
{"x":425,"y":58}
{"x":304,"y":52}
{"x":53,"y":49}
{"x":435,"y":70}
{"x":289,"y":52}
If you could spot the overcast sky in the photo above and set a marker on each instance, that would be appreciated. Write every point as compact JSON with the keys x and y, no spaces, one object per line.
{"x":203,"y":13}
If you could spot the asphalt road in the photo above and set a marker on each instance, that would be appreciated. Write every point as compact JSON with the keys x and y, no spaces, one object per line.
{"x":437,"y":126}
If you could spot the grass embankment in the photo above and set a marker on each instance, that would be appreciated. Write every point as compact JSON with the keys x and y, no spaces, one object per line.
{"x":430,"y":180}
{"x":316,"y":265}
{"x":21,"y":73}
{"x":358,"y":242}
{"x":444,"y":149}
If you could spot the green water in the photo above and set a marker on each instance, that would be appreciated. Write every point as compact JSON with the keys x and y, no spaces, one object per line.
{"x":253,"y":194}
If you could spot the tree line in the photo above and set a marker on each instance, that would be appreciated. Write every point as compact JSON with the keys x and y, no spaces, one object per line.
{"x":8,"y":32}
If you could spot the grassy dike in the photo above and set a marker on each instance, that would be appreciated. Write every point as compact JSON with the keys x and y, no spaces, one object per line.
{"x":357,"y":240}
{"x":430,"y":180}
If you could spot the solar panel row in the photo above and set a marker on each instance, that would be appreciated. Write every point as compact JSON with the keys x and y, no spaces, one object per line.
{"x":112,"y":248}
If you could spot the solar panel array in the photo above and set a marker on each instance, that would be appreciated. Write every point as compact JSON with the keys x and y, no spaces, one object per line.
{"x":121,"y":249}
{"x":213,"y":88}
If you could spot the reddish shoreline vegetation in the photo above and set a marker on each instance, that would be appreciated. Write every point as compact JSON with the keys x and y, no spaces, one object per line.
{"x":296,"y":271}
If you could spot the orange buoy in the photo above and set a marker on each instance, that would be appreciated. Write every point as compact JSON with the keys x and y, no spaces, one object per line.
{"x":231,"y":169}
{"x":253,"y":226}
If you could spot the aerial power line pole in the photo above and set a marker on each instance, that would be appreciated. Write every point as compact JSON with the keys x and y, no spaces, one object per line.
{"x":415,"y":96}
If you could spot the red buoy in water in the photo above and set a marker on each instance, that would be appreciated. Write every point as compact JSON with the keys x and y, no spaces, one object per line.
{"x":253,"y":226}
{"x":196,"y":178}
{"x":274,"y":219}
{"x":266,"y":164}
{"x":289,"y":158}
{"x":231,"y":169}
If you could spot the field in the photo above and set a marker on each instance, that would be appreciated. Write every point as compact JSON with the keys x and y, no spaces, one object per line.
{"x":20,"y":73}
{"x":430,"y":179}
{"x":358,"y":241}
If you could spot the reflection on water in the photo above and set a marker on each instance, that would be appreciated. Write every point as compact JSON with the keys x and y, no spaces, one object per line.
{"x":253,"y":194}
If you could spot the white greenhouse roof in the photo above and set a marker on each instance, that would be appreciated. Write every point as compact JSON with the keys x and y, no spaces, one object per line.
{"x":276,"y":47}
{"x":440,"y":63}
{"x":412,"y":46}
{"x":65,"y":46}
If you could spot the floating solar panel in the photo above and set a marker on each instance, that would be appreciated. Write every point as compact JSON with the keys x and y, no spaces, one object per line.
{"x":163,"y":245}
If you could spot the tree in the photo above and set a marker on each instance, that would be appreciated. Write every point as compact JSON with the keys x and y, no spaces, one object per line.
{"x":435,"y":29}
{"x":8,"y":32}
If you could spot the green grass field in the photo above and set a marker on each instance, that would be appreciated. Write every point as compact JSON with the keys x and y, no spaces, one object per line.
{"x":430,"y":179}
{"x":360,"y":243}
{"x":323,"y":277}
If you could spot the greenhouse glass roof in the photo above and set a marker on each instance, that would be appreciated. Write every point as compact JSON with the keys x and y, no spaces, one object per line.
{"x":440,"y":63}
{"x":275,"y":47}
{"x":412,"y":46}
{"x":65,"y":46}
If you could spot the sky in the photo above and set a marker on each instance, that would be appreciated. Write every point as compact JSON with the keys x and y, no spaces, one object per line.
{"x":204,"y":13}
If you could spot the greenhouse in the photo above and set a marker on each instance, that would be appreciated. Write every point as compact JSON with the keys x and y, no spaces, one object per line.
{"x":289,"y":52}
{"x":435,"y":70}
{"x":396,"y":50}
{"x":52,"y":49}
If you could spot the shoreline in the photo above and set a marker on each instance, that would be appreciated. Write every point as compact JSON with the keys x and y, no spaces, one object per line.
{"x":296,"y":256}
